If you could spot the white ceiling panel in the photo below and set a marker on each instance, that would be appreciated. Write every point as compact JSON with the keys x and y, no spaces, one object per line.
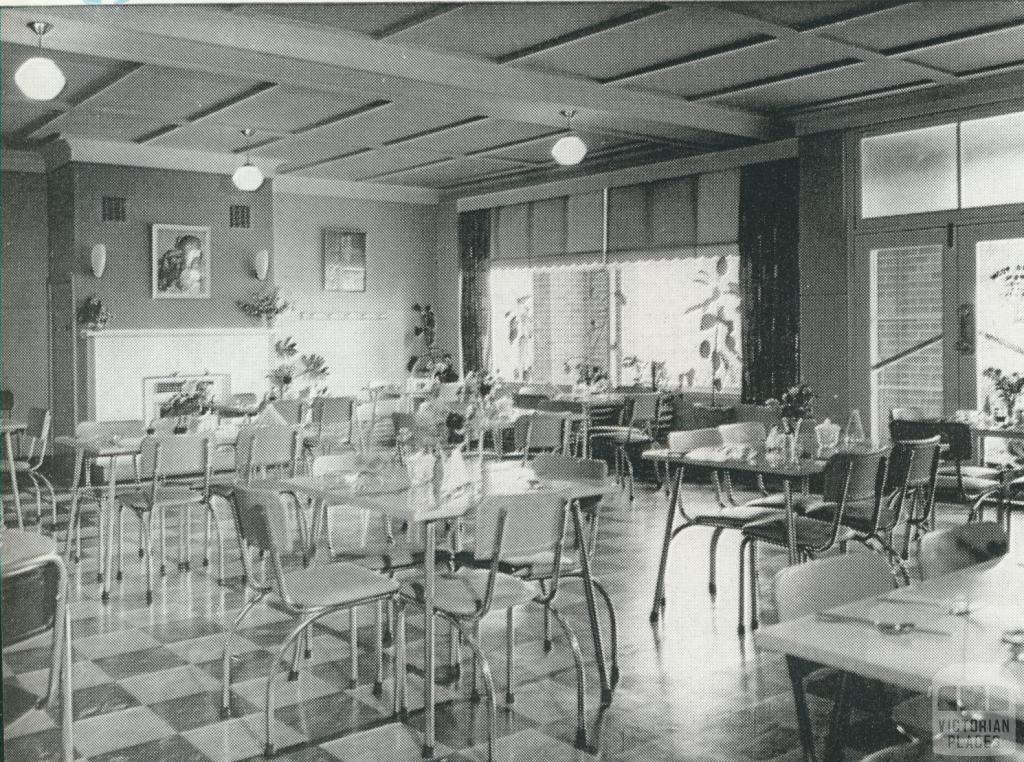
{"x":665,"y":36}
{"x":978,"y":54}
{"x":802,"y":14}
{"x":21,"y":117}
{"x":374,"y":163}
{"x":452,"y":172}
{"x":305,"y":149}
{"x":365,"y":18}
{"x":773,"y":59}
{"x":477,"y":136}
{"x":494,"y":30}
{"x":286,"y":109}
{"x":907,"y":25}
{"x":817,"y":88}
{"x":208,"y":137}
{"x":103,"y":126}
{"x":151,"y":87}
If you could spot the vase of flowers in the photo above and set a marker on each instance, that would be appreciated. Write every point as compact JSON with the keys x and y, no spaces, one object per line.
{"x":1009,"y":387}
{"x":92,"y":314}
{"x":193,"y":399}
{"x":793,"y":406}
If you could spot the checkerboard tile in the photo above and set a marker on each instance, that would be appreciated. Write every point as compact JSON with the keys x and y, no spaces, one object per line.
{"x":147,"y":679}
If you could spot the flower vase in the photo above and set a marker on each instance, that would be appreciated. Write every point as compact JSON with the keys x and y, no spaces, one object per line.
{"x":791,"y":428}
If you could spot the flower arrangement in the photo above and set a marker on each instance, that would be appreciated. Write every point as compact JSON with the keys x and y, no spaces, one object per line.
{"x":1008,"y":386}
{"x":192,"y":399}
{"x":312,"y":366}
{"x":263,"y":304}
{"x":795,"y":404}
{"x":92,"y":314}
{"x":587,"y":374}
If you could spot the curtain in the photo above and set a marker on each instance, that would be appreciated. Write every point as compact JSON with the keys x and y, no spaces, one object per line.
{"x":769,"y":278}
{"x":474,"y":259}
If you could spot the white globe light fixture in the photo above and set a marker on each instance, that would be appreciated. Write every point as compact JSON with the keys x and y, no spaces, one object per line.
{"x":569,"y":150}
{"x":247,"y":177}
{"x":39,"y":78}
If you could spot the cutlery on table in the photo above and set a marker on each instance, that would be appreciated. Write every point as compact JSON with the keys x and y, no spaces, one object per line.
{"x":888,"y":628}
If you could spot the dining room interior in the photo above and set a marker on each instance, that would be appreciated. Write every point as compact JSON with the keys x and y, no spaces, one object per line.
{"x":512,"y":381}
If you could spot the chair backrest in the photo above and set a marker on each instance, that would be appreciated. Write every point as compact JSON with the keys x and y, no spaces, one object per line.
{"x":537,"y":432}
{"x":644,"y":410}
{"x":906,"y":414}
{"x":560,"y":406}
{"x":37,"y":429}
{"x":533,"y":524}
{"x":751,"y":433}
{"x":913,"y":465}
{"x":101,"y":429}
{"x":164,"y":425}
{"x":333,"y":415}
{"x":955,"y":435}
{"x":528,"y":401}
{"x":853,"y":481}
{"x":6,"y":400}
{"x":684,"y":441}
{"x":31,"y":594}
{"x":266,"y":447}
{"x":292,"y":411}
{"x":539,"y":390}
{"x":949,"y":550}
{"x":829,"y":582}
{"x":554,"y":464}
{"x":174,"y":455}
{"x":666,"y":417}
{"x":605,"y":414}
{"x":261,"y":521}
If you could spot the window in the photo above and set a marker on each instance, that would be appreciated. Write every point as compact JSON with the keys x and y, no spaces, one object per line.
{"x":909,"y":172}
{"x":992,"y":154}
{"x":684,"y":313}
{"x":547,"y":321}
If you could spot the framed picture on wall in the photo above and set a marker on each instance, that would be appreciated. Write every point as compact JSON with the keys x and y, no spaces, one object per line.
{"x":344,"y":260}
{"x":181,"y":262}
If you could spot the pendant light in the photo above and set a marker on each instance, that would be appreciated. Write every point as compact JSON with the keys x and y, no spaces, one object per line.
{"x":247,"y":177}
{"x":39,"y":78}
{"x":570,"y":149}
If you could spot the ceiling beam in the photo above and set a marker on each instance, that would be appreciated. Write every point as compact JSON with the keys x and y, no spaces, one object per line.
{"x":52,"y":125}
{"x":322,"y":124}
{"x":438,"y":9}
{"x":275,"y":50}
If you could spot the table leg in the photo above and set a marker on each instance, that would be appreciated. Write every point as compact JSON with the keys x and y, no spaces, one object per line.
{"x":840,"y":723}
{"x":798,"y":669}
{"x":428,"y":640}
{"x":659,"y":587}
{"x":790,"y":521}
{"x":111,"y":512}
{"x":76,"y":501}
{"x":13,"y":475}
{"x":588,"y":588}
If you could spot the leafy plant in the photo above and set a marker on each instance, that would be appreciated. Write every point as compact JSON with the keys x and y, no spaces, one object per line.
{"x":92,"y":314}
{"x":586,"y":372}
{"x":314,"y":367}
{"x":285,"y":348}
{"x":427,"y":330}
{"x":192,"y":399}
{"x":1008,"y":386}
{"x":263,"y":304}
{"x":718,"y":345}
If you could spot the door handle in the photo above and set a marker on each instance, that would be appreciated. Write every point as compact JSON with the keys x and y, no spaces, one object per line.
{"x":965,"y":344}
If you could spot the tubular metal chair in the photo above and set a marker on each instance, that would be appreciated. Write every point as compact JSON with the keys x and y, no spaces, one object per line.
{"x":168,"y":466}
{"x":850,"y":479}
{"x":956,"y":480}
{"x":307,"y":593}
{"x":292,"y":411}
{"x":907,"y":414}
{"x":30,"y":463}
{"x":639,"y":432}
{"x":540,"y":568}
{"x":507,"y":528}
{"x":534,"y":432}
{"x":333,"y":419}
{"x":35,"y":596}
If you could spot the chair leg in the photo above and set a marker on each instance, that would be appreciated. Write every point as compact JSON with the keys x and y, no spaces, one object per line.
{"x":120,"y":544}
{"x":353,"y":649}
{"x":53,"y":499}
{"x":510,"y":640}
{"x":147,"y":522}
{"x":225,"y":697}
{"x":581,"y":680}
{"x":547,"y":628}
{"x":163,"y":542}
{"x":492,"y":709}
{"x":740,"y":628}
{"x":67,"y":693}
{"x":378,"y":650}
{"x":107,"y":562}
{"x":752,"y":575}
{"x":474,"y":688}
{"x":713,"y":561}
{"x":207,"y":531}
{"x":613,"y":632}
{"x":401,"y":658}
{"x":293,"y":636}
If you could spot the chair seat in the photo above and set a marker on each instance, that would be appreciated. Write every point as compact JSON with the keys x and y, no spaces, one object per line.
{"x":622,"y":434}
{"x":731,"y":517}
{"x":379,"y":559}
{"x":20,"y":546}
{"x":801,"y":503}
{"x":138,"y":500}
{"x":461,"y":593}
{"x":810,"y":533}
{"x":973,"y":472}
{"x":338,"y":584}
{"x":542,"y":565}
{"x":945,"y":483}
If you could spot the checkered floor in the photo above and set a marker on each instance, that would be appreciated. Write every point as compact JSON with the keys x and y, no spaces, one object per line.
{"x":147,"y":679}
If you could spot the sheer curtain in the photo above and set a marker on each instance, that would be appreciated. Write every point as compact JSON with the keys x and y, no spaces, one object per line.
{"x":769,"y":278}
{"x":474,"y":257}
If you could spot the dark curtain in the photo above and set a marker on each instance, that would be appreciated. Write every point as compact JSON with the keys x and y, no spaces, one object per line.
{"x":474,"y":259}
{"x":769,"y":278}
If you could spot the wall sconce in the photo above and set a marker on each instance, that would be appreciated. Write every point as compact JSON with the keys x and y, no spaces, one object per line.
{"x":261,"y":264}
{"x":98,"y":259}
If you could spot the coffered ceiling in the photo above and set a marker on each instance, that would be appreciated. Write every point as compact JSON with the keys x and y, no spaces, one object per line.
{"x":453,"y":96}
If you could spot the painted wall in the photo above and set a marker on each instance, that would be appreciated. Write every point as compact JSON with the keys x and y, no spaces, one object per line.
{"x":366,"y":337}
{"x":161,"y":196}
{"x":24,"y":271}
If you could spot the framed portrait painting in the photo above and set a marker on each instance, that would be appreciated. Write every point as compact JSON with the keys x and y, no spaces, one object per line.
{"x":344,"y":260}
{"x":181,"y":262}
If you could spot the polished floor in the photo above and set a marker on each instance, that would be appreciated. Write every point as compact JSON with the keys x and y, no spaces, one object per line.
{"x":147,"y":679}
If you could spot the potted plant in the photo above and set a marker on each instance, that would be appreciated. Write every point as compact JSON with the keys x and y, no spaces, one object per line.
{"x":1008,"y":387}
{"x":92,"y":315}
{"x":263,"y":304}
{"x":191,"y":400}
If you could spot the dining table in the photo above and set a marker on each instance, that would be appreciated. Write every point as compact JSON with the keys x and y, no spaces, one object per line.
{"x":980,"y":433}
{"x":421,"y":505}
{"x":10,"y":428}
{"x":965,"y":625}
{"x":727,"y":460}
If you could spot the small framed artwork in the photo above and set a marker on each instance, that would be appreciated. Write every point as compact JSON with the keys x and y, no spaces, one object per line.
{"x":181,"y":262}
{"x":344,"y":260}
